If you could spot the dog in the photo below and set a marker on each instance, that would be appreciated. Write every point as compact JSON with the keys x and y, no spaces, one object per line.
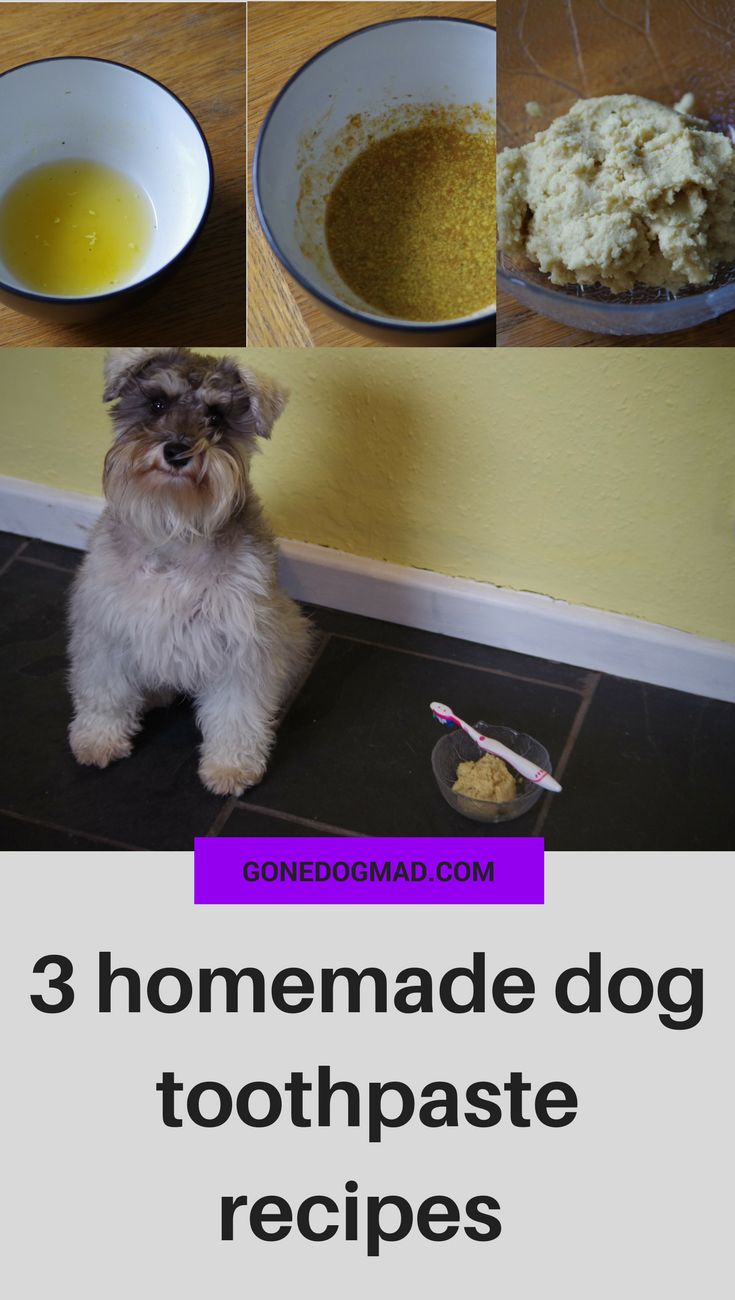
{"x":178,"y":593}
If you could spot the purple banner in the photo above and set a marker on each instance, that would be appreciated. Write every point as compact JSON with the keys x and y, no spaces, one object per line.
{"x":390,"y":870}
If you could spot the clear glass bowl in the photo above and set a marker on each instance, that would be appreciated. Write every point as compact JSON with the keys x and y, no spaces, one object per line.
{"x":455,"y":747}
{"x":554,"y":54}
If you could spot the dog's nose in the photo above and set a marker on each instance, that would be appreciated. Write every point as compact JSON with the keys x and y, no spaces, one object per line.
{"x":176,"y":453}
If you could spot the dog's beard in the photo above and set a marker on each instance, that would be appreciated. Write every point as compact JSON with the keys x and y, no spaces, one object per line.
{"x":166,"y":506}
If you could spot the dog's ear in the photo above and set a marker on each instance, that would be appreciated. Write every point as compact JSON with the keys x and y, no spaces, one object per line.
{"x":267,"y":400}
{"x":120,"y":365}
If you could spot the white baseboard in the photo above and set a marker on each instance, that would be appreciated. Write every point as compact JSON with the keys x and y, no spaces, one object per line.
{"x":47,"y":513}
{"x":472,"y":611}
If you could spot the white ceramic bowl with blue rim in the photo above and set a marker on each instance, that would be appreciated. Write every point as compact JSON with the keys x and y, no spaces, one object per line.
{"x":105,"y":112}
{"x":447,"y":61}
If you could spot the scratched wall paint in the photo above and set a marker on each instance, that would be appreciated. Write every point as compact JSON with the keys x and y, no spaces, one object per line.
{"x":609,"y":483}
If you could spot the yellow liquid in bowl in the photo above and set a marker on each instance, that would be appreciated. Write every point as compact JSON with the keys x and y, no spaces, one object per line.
{"x":74,"y":228}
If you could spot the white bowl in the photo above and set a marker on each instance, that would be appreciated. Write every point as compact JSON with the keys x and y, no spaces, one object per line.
{"x":105,"y":112}
{"x":408,"y":61}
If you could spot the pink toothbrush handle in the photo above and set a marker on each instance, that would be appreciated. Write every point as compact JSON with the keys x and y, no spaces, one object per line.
{"x":531,"y":771}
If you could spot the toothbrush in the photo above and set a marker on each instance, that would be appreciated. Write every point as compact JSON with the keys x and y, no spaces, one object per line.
{"x":444,"y":714}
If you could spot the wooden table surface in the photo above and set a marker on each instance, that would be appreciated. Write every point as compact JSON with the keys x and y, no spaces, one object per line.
{"x":282,"y":36}
{"x":198,"y":52}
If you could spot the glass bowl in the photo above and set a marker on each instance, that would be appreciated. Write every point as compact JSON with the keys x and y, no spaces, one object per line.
{"x":553,"y":54}
{"x":456,"y":747}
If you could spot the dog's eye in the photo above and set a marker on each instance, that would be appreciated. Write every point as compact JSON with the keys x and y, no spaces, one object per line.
{"x":215,"y":419}
{"x":158,"y":405}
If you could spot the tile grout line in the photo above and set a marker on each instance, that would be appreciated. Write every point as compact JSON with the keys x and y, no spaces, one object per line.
{"x":301,"y":821}
{"x":219,"y":821}
{"x":70,"y":830}
{"x":460,"y":663}
{"x":571,"y":740}
{"x":47,"y":564}
{"x":11,"y":558}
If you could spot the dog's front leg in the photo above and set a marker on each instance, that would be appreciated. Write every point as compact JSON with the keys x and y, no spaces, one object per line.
{"x":107,"y":704}
{"x":237,"y":734}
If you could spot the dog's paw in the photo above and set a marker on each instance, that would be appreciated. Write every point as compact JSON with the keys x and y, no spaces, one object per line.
{"x":98,"y":748}
{"x":224,"y":778}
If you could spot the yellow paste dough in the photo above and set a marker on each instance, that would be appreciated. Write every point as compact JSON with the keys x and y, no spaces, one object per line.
{"x":487,"y":778}
{"x":620,"y":190}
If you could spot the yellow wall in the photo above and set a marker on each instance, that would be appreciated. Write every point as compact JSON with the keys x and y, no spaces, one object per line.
{"x":606,"y":478}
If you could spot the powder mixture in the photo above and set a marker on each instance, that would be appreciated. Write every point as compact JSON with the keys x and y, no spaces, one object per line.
{"x":410,"y":223}
{"x":621,"y":190}
{"x":486,"y":778}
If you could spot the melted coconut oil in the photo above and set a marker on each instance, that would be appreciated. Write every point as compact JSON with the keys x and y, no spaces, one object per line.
{"x":74,"y":228}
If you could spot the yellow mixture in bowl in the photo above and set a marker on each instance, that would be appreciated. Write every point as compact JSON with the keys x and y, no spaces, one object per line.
{"x":486,"y":778}
{"x":410,"y":222}
{"x":75,"y":227}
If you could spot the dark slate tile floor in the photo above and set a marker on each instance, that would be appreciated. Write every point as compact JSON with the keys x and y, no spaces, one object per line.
{"x":642,"y":767}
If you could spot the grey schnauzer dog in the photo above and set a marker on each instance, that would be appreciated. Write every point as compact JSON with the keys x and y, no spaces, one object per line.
{"x":178,"y":592}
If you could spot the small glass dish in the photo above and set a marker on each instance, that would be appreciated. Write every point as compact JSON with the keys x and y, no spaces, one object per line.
{"x":551,"y":55}
{"x":456,"y":747}
{"x":640,"y":311}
